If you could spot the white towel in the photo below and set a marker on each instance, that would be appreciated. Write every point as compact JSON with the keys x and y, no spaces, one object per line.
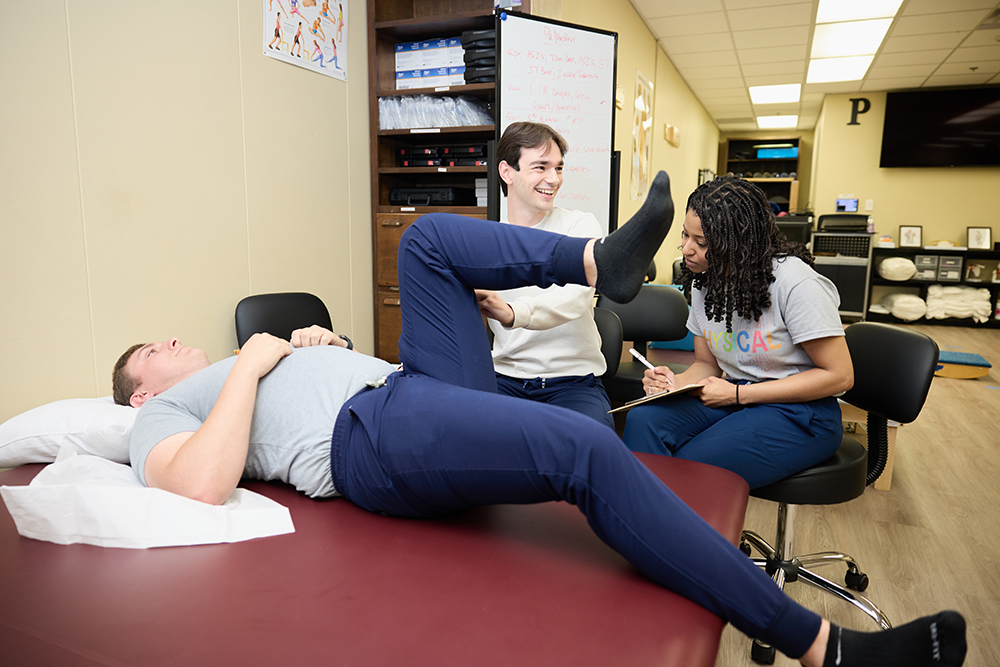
{"x":91,"y":500}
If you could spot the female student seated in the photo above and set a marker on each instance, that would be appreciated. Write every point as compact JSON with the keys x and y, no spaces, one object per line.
{"x":769,"y":347}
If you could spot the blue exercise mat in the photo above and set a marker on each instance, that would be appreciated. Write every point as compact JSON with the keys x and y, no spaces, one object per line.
{"x":963,"y":359}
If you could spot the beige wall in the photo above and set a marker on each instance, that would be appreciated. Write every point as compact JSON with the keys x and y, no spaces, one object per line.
{"x":943,"y":200}
{"x":674,"y":103}
{"x":156,"y":168}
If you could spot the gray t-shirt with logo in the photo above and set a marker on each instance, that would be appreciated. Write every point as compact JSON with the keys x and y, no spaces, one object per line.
{"x":296,"y":408}
{"x":803,"y":307}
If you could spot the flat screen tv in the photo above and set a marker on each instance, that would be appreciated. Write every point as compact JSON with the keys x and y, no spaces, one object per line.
{"x":942,"y":128}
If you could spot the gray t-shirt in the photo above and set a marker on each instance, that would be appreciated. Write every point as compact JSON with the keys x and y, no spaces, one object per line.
{"x":296,"y":408}
{"x":803,"y":307}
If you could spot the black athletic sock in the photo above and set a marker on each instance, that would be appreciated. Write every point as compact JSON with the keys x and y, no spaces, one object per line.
{"x":623,"y":257}
{"x":931,"y":641}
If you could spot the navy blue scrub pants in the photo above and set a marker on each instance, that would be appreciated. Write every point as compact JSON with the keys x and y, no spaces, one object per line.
{"x":437,"y":439}
{"x":760,"y":443}
{"x":580,"y":393}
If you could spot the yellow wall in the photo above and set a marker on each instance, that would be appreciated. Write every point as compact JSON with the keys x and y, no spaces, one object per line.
{"x":674,"y":103}
{"x":943,"y":200}
{"x":155,"y":169}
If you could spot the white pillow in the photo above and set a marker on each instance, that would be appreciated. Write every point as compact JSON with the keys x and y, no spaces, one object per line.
{"x":897,"y":268}
{"x":93,"y":425}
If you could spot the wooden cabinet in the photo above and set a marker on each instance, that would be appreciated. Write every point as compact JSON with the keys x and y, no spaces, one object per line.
{"x":391,"y":22}
{"x":750,"y":158}
{"x":988,"y":264}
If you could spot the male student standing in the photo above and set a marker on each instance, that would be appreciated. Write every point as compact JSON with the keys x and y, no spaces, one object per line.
{"x":546,"y":346}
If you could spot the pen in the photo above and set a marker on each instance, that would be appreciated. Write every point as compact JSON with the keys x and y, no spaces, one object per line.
{"x":641,"y":358}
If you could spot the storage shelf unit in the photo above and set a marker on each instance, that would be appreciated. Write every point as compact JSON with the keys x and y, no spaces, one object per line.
{"x":737,"y":156}
{"x":391,"y":22}
{"x":877,"y":284}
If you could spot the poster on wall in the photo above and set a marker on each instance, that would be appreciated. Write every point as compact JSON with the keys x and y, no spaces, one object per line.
{"x":308,"y":33}
{"x":642,"y":136}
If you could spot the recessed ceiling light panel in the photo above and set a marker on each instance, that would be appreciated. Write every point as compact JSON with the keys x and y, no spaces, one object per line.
{"x":777,"y":122}
{"x":828,"y":70}
{"x":775,"y":94}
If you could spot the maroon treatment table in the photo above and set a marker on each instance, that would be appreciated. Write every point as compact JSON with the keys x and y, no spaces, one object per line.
{"x":505,"y":585}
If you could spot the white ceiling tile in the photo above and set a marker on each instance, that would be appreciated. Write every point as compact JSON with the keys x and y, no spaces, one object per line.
{"x":730,"y":111}
{"x":768,"y":18}
{"x":794,"y":67}
{"x":812,"y":98}
{"x":692,"y":24}
{"x":772,"y":54}
{"x":715,"y":84}
{"x":973,"y":54}
{"x":773,"y":80}
{"x":744,"y":126}
{"x":756,"y":39}
{"x":656,"y":8}
{"x":982,"y":38}
{"x":750,"y":4}
{"x":708,"y":59}
{"x":982,"y":67}
{"x":832,"y":88}
{"x":723,"y":71}
{"x":931,"y":23}
{"x":721,"y":41}
{"x":878,"y":85}
{"x":956,"y":80}
{"x":914,"y":7}
{"x":776,"y":109}
{"x":724,"y":97}
{"x":904,"y":43}
{"x":932,"y":56}
{"x":995,"y":79}
{"x":901,"y":70}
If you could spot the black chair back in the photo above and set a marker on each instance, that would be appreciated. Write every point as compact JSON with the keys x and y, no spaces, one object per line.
{"x":279,"y":314}
{"x":893,"y":369}
{"x":659,"y":312}
{"x":610,"y":328}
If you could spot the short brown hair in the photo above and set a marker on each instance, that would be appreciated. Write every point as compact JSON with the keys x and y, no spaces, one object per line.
{"x":123,"y":385}
{"x":521,"y":135}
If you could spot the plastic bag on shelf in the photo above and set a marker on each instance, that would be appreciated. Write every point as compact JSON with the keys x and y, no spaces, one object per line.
{"x":415,"y":111}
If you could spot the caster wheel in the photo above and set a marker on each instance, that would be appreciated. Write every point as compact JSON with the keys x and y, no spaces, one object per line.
{"x":762,"y":654}
{"x":745,"y":548}
{"x":856,"y":580}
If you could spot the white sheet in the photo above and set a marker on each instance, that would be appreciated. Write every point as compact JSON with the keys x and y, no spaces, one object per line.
{"x":91,"y":500}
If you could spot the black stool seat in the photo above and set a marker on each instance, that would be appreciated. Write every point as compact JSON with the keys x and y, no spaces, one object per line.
{"x":838,"y":479}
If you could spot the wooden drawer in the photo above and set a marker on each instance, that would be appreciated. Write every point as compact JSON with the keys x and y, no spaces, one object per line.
{"x":389,"y":228}
{"x":388,"y":325}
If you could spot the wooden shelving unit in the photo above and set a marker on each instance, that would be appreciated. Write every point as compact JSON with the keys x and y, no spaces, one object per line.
{"x":738,"y":156}
{"x":391,"y":22}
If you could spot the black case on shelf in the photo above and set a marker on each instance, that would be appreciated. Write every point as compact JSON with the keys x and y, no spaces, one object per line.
{"x":427,"y":196}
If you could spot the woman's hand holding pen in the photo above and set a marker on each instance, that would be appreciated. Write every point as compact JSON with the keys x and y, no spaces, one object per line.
{"x":658,"y":379}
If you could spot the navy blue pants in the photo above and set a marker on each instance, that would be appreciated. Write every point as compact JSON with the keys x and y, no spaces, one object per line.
{"x":760,"y":443}
{"x":438,"y":439}
{"x":580,"y":393}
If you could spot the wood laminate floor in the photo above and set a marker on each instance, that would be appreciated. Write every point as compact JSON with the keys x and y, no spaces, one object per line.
{"x":933,"y":541}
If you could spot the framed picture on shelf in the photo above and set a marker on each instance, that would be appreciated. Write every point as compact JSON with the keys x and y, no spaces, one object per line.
{"x":979,"y":238}
{"x":911,"y":236}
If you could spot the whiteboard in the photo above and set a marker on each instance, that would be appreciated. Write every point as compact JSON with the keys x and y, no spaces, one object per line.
{"x":563,"y":75}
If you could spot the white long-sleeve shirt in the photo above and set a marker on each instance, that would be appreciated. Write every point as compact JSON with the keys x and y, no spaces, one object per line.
{"x":553,"y":333}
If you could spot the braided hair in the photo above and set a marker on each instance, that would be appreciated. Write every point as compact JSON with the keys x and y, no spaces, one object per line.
{"x":743,"y":240}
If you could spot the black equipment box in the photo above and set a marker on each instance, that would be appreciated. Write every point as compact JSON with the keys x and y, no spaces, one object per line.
{"x":419,"y":162}
{"x":432,"y":197}
{"x":463,"y":151}
{"x":465,"y":162}
{"x":419,"y":151}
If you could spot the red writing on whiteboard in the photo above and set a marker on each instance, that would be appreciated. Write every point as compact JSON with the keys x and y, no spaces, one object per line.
{"x":556,"y":36}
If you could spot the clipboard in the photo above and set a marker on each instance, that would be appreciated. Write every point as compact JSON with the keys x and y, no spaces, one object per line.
{"x":655,"y":397}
